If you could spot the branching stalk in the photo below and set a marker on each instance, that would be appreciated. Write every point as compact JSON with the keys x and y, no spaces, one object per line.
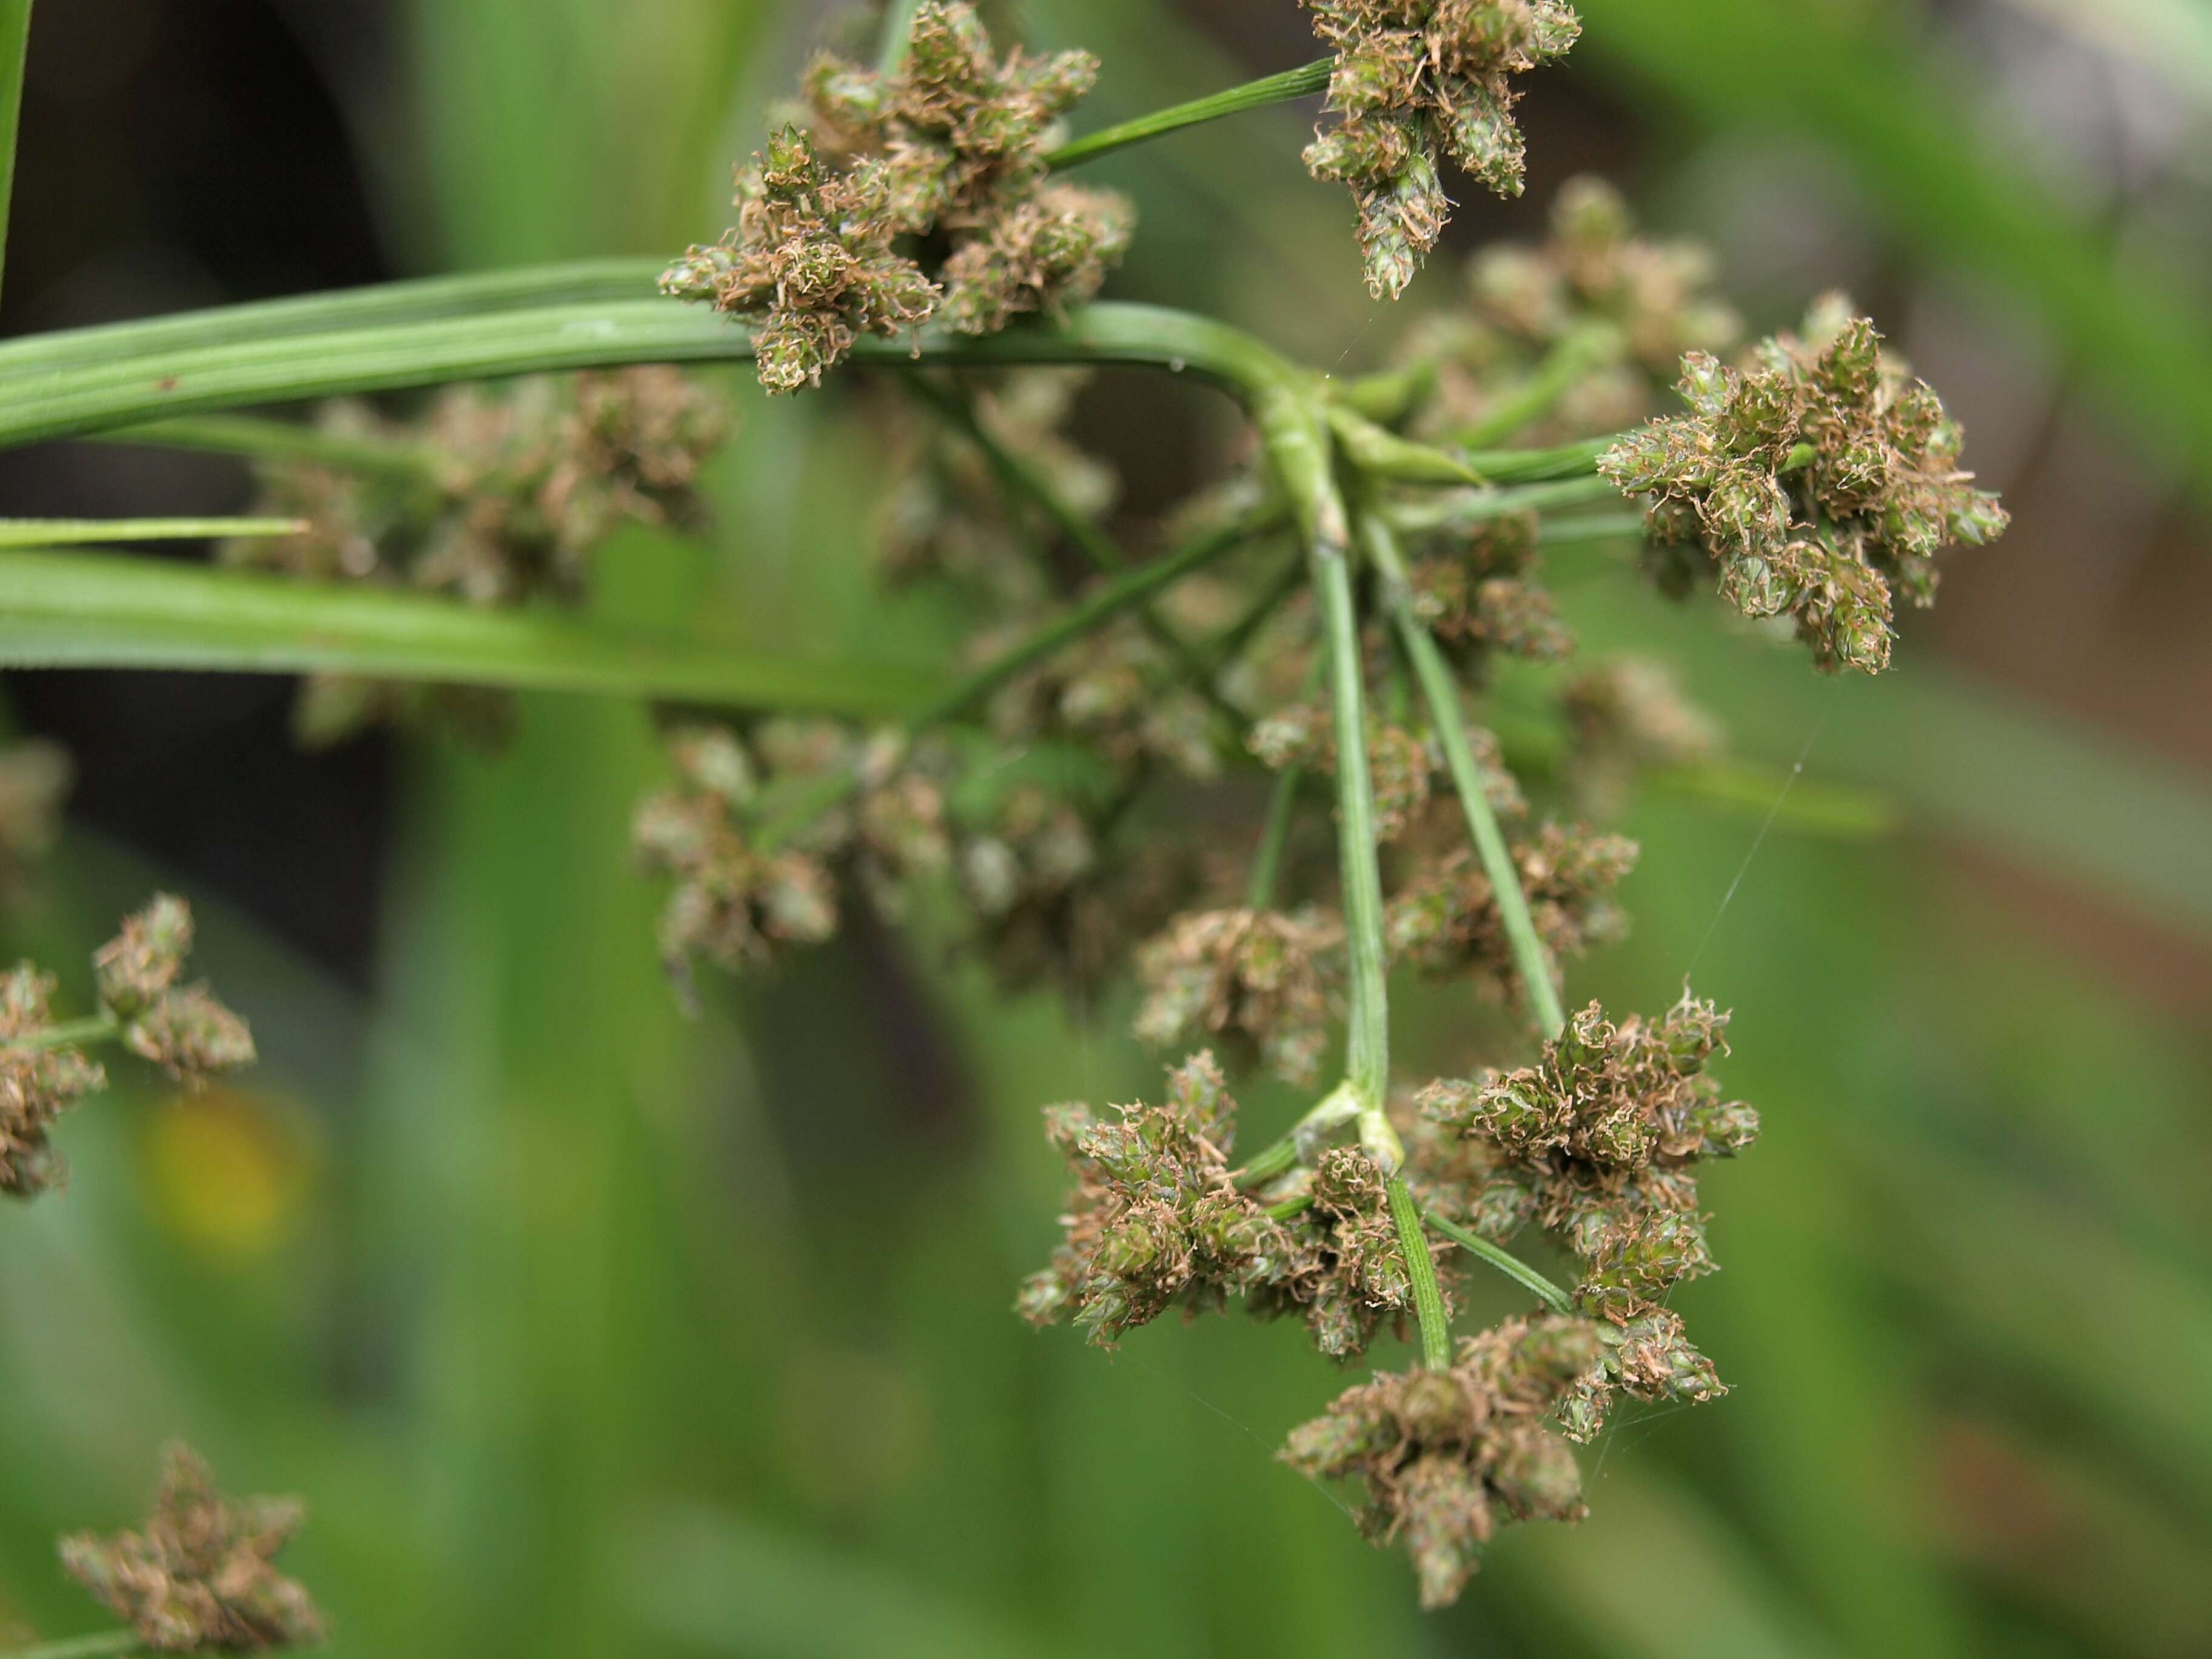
{"x":285,"y":441}
{"x":70,"y":1034}
{"x":100,"y":1644}
{"x":1562,"y":367}
{"x":1505,"y":1262}
{"x":1421,"y":1270}
{"x":17,"y":534}
{"x":1440,"y":690}
{"x":1267,"y":864}
{"x":1300,"y":82}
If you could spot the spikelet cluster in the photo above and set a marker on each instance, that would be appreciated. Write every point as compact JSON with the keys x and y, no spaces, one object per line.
{"x":518,"y":487}
{"x":1443,"y":1458}
{"x":183,"y":1029}
{"x":1599,"y":1143}
{"x":1820,"y":478}
{"x":1261,"y":984}
{"x":201,"y":1575}
{"x":920,"y":193}
{"x":757,"y":835}
{"x":1415,"y":78}
{"x":1157,"y":1222}
{"x":1477,"y":591}
{"x":38,"y":1083}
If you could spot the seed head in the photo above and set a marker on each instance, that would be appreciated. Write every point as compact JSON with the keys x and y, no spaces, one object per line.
{"x":1820,"y":477}
{"x":1261,"y":982}
{"x":201,"y":1577}
{"x":182,"y":1029}
{"x":1443,"y":1457}
{"x":1414,"y":77}
{"x":38,"y":1083}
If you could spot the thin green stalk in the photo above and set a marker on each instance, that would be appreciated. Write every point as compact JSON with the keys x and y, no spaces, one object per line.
{"x":1290,"y":1206}
{"x":1300,"y":82}
{"x":1440,"y":690}
{"x":1421,"y":1269}
{"x":1596,"y":527}
{"x":284,"y":440}
{"x":136,"y":387}
{"x":435,"y":299}
{"x":1460,"y":510}
{"x":1125,"y":592}
{"x":1505,"y":1262}
{"x":15,"y":42}
{"x":101,"y":610}
{"x":1574,"y":461}
{"x":1267,"y":866}
{"x":102,"y":1644}
{"x":897,"y":34}
{"x":1279,"y":1160}
{"x":70,"y":1034}
{"x":17,"y":533}
{"x":1561,"y":370}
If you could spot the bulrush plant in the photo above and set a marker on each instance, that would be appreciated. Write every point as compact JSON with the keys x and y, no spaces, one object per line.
{"x":1310,"y":652}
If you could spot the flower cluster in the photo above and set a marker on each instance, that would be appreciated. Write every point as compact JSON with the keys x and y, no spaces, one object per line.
{"x":1445,"y":920}
{"x":43,"y":1070}
{"x":1822,"y":477}
{"x":757,"y":835}
{"x":1573,"y":337}
{"x":498,"y":497}
{"x":201,"y":1577}
{"x":1444,"y":1457}
{"x":1115,"y":693}
{"x":1414,"y":77}
{"x":1260,"y":982}
{"x":1599,"y":1143}
{"x":1156,"y":1221}
{"x":1478,"y":593}
{"x":943,"y":157}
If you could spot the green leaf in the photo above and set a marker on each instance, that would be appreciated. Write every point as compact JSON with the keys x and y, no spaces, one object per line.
{"x":79,"y":533}
{"x":15,"y":40}
{"x":78,"y":611}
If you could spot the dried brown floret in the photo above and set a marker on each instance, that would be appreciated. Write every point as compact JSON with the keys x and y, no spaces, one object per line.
{"x":754,"y":836}
{"x":1444,"y":1457}
{"x":38,"y":1081}
{"x":950,"y":147}
{"x":1480,"y":594}
{"x":1413,"y":77}
{"x":1114,"y":692}
{"x":1821,"y":478}
{"x":1155,"y":1222}
{"x":202,"y":1577}
{"x":515,"y":490}
{"x":182,"y":1029}
{"x":1445,"y":921}
{"x":1598,"y":1144}
{"x":1405,"y":765}
{"x":1260,"y":981}
{"x":1350,"y":1281}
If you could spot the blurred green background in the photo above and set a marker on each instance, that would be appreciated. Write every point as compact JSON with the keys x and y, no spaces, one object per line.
{"x":589,"y":1330}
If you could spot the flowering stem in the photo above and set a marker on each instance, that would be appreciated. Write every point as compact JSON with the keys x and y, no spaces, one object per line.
{"x":1299,"y":82}
{"x":897,"y":35}
{"x":1268,"y":866}
{"x":287,"y":441}
{"x":94,"y":1028}
{"x":101,"y":1644}
{"x":1441,"y":692}
{"x":1566,"y":364}
{"x":1505,"y":1262}
{"x":17,"y":533}
{"x":1460,"y":509}
{"x":1421,"y":1269}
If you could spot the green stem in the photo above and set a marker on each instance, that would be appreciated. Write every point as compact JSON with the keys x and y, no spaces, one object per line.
{"x":101,"y":610}
{"x":102,"y":1644}
{"x":1461,"y":509}
{"x":897,"y":35}
{"x":435,"y":299}
{"x":15,"y":42}
{"x":1562,"y":369}
{"x":1574,"y":461}
{"x":1505,"y":1262}
{"x":1421,"y":1269}
{"x":1267,"y":866}
{"x":1129,"y":589}
{"x":1279,"y":1160}
{"x":285,"y":441}
{"x":70,"y":1034}
{"x":1300,"y":82}
{"x":1290,"y":1206}
{"x":1440,"y":690}
{"x":16,"y":533}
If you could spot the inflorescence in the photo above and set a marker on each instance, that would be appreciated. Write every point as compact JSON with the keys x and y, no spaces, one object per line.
{"x":918,"y":194}
{"x":43,"y":1068}
{"x":1820,"y":477}
{"x":201,"y":1575}
{"x":1415,"y":77}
